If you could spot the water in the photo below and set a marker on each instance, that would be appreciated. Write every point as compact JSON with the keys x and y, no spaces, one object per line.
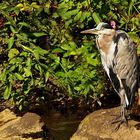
{"x":61,"y":126}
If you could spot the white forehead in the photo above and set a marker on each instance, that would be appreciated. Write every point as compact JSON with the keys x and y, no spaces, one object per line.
{"x":100,"y":25}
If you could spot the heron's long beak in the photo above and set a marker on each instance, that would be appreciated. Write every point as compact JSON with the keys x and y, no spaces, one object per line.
{"x":90,"y":31}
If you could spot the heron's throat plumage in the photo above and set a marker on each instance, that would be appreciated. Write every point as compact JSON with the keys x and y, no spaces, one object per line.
{"x":104,"y":42}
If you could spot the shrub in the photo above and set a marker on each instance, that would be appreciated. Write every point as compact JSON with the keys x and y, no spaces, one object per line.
{"x":41,"y":44}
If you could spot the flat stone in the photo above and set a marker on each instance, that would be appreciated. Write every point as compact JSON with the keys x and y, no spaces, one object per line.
{"x":96,"y":126}
{"x":27,"y":127}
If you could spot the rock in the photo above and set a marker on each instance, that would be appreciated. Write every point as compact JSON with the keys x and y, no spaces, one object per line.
{"x":96,"y":127}
{"x":27,"y":127}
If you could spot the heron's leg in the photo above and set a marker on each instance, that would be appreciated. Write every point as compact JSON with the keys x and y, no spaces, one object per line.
{"x":123,"y":118}
{"x":123,"y":106}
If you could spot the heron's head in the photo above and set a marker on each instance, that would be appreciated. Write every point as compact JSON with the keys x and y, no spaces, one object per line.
{"x":101,"y":29}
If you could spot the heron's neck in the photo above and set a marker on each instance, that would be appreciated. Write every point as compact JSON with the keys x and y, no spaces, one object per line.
{"x":104,"y":42}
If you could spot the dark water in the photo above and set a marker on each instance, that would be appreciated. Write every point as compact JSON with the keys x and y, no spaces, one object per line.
{"x":61,"y":126}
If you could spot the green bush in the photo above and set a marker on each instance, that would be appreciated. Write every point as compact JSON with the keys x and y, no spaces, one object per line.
{"x":41,"y":44}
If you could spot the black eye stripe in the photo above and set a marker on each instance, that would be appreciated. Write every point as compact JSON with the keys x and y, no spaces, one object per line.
{"x":107,"y":26}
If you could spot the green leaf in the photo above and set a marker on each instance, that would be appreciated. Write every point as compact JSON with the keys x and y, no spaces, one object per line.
{"x":12,"y":68}
{"x":73,"y":53}
{"x":36,"y":54}
{"x":12,"y":53}
{"x":61,"y":74}
{"x":69,"y":90}
{"x":20,"y":107}
{"x":7,"y":91}
{"x":20,"y":5}
{"x":29,"y":62}
{"x":9,"y":18}
{"x":3,"y":75}
{"x":57,"y":50}
{"x":27,"y":48}
{"x":68,"y":22}
{"x":62,"y":8}
{"x":40,"y":51}
{"x":67,"y":15}
{"x":35,"y":5}
{"x":72,"y":44}
{"x":12,"y":29}
{"x":78,"y":16}
{"x":24,"y":24}
{"x":39,"y":34}
{"x":86,"y":91}
{"x":43,"y":66}
{"x":21,"y":37}
{"x":28,"y":71}
{"x":19,"y":76}
{"x":46,"y":76}
{"x":77,"y":88}
{"x":99,"y":102}
{"x":96,"y":18}
{"x":54,"y":57}
{"x":11,"y":42}
{"x":66,"y":47}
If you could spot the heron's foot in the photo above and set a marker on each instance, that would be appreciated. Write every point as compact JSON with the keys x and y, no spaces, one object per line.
{"x":119,"y":123}
{"x":119,"y":120}
{"x":116,"y":119}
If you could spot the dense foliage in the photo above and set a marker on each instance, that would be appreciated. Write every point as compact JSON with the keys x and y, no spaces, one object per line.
{"x":41,"y":46}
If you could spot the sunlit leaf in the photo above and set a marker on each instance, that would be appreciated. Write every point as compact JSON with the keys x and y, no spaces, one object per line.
{"x":7,"y":91}
{"x":11,"y":42}
{"x":35,"y":5}
{"x":67,"y":15}
{"x":21,"y":37}
{"x":20,"y":107}
{"x":12,"y":29}
{"x":11,"y":68}
{"x":36,"y":54}
{"x":28,"y":71}
{"x":20,"y":5}
{"x":78,"y":16}
{"x":39,"y":34}
{"x":12,"y":53}
{"x":19,"y":76}
{"x":57,"y":50}
{"x":96,"y":18}
{"x":9,"y":18}
{"x":28,"y":63}
{"x":66,"y":47}
{"x":46,"y":76}
{"x":24,"y":24}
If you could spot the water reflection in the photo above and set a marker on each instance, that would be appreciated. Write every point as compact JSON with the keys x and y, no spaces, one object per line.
{"x":62,"y":127}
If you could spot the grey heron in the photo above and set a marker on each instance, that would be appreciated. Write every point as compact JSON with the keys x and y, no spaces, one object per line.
{"x":119,"y":59}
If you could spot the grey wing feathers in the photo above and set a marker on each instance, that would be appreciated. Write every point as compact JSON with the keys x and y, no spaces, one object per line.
{"x":126,"y":64}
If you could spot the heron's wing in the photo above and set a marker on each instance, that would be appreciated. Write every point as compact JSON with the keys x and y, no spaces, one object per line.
{"x":125,"y":63}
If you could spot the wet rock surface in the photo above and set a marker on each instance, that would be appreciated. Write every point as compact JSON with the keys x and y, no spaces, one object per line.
{"x":13,"y":127}
{"x":96,"y":127}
